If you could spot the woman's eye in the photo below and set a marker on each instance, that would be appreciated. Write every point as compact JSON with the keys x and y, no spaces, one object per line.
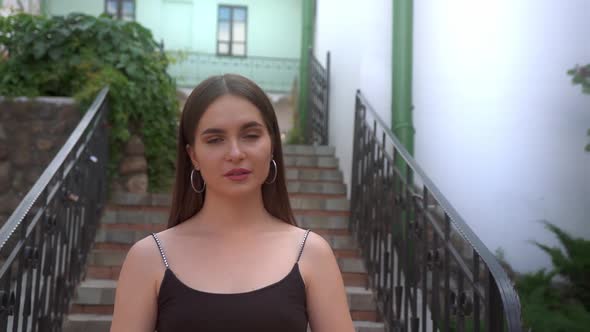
{"x":213,"y":140}
{"x":252,"y":136}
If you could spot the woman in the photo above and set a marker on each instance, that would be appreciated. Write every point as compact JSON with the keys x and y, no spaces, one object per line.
{"x":232,"y":258}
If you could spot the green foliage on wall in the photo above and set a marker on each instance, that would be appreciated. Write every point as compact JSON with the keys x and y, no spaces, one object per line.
{"x":77,"y":55}
{"x":581,"y":75}
{"x":553,"y":306}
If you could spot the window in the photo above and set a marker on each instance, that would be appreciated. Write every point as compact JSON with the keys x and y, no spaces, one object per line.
{"x":121,"y":9}
{"x":231,"y":30}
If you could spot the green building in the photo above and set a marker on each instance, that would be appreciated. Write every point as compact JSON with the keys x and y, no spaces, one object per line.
{"x":260,"y":39}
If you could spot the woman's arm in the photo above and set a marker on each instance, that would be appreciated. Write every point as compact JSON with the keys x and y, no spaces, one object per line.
{"x":136,"y":296}
{"x":326,"y":298}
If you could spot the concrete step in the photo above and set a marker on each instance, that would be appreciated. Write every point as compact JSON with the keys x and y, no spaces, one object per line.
{"x":114,"y":259}
{"x":299,"y":190}
{"x":302,"y":187}
{"x":308,"y":150}
{"x":87,"y":323}
{"x":101,"y":293}
{"x":129,"y":233}
{"x":302,"y":174}
{"x":159,"y":216}
{"x":128,"y":237}
{"x":310,"y":161}
{"x":102,"y":323}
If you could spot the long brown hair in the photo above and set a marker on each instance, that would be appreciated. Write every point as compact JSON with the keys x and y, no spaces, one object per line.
{"x":185,"y":201}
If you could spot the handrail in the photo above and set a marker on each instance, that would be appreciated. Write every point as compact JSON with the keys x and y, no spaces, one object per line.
{"x":45,"y":242}
{"x":41,"y":184}
{"x":509,"y":297}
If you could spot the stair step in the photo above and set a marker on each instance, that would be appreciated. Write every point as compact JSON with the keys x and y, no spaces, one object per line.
{"x":130,"y":208}
{"x":310,"y":161}
{"x":102,"y":323}
{"x":112,"y":259}
{"x":122,"y":236}
{"x":365,"y":326}
{"x":301,"y":187}
{"x":301,"y":174}
{"x":319,"y":150}
{"x":101,"y":293}
{"x":87,"y":323}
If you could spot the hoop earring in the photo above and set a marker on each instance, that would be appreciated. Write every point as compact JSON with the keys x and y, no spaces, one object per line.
{"x":276,"y":172}
{"x":193,"y":183}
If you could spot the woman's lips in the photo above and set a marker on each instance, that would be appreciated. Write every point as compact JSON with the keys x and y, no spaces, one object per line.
{"x":238,"y":174}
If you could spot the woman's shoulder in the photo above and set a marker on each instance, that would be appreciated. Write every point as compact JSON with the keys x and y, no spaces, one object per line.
{"x":145,"y":253}
{"x":317,"y":249}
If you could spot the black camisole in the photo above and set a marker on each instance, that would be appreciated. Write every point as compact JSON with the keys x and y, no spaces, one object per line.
{"x":280,"y":306}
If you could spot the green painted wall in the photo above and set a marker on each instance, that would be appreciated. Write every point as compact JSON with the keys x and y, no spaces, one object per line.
{"x":273,"y":28}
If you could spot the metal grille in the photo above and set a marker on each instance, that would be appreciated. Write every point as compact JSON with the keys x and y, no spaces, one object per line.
{"x":272,"y":74}
{"x":318,"y":101}
{"x":430,"y":272}
{"x":45,"y":242}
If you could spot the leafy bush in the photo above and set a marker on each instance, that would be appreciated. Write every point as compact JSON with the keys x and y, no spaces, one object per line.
{"x":549,"y":306}
{"x":76,"y":56}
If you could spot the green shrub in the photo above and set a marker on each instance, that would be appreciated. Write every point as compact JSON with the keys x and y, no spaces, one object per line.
{"x":77,"y":55}
{"x":550,"y":306}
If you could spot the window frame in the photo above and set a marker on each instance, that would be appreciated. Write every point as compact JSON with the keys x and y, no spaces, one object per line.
{"x":231,"y":38}
{"x":119,"y":14}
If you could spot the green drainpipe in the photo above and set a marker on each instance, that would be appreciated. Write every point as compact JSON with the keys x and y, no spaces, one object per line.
{"x":401,"y":106}
{"x":306,"y":44}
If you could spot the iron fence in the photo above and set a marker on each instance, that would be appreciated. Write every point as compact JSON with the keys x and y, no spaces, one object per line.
{"x":272,"y":74}
{"x":45,"y":242}
{"x":318,"y":101}
{"x":428,"y":269}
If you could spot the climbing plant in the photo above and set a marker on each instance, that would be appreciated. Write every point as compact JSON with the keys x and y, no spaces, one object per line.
{"x":77,"y":55}
{"x":581,"y":75}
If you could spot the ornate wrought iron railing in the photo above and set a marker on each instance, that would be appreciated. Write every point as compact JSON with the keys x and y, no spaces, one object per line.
{"x":272,"y":74}
{"x":318,"y":101}
{"x":45,"y":242}
{"x":428,"y":269}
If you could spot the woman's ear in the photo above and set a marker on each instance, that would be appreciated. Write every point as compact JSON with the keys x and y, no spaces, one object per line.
{"x":191,"y":153}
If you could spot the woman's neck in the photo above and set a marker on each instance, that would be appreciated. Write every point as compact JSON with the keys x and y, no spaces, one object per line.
{"x":232,"y":213}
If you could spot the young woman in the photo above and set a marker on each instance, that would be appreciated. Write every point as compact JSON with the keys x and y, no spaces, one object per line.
{"x":232,"y":258}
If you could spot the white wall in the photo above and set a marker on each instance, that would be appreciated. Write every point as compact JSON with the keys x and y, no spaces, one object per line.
{"x":359,"y":40}
{"x":499,"y":127}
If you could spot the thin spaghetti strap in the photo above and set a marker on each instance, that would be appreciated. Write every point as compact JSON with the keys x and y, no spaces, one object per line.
{"x":160,"y":248}
{"x":302,"y":244}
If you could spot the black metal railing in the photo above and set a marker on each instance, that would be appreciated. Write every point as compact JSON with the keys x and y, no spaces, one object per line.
{"x":428,"y":269}
{"x":318,"y":101}
{"x":45,"y":242}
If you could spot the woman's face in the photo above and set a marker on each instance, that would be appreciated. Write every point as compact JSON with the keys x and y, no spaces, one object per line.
{"x":232,"y":148}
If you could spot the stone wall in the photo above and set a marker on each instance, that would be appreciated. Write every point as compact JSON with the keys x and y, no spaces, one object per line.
{"x":31,"y":133}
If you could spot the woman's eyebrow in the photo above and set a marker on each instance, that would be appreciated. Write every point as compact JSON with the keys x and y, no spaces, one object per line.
{"x":247,"y":125}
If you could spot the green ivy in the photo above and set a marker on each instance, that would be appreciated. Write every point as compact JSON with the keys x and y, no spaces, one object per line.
{"x":77,"y":55}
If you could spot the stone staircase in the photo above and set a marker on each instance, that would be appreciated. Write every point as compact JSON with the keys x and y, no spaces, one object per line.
{"x":318,"y":199}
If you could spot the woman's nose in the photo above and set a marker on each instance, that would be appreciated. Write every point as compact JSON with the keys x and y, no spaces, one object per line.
{"x":235,"y":151}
